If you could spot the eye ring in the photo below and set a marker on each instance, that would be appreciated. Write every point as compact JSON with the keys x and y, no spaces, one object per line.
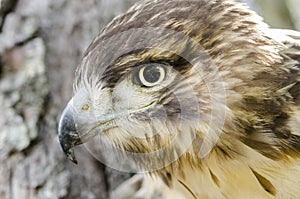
{"x":151,"y":75}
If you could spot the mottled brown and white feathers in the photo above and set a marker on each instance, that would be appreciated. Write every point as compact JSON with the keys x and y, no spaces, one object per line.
{"x":245,"y":85}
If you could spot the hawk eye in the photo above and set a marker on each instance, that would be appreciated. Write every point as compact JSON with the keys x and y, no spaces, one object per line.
{"x":151,"y":75}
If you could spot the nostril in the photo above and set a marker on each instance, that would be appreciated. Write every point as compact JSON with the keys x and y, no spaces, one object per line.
{"x":85,"y":107}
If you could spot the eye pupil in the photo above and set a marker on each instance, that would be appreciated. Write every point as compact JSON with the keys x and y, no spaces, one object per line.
{"x":152,"y":74}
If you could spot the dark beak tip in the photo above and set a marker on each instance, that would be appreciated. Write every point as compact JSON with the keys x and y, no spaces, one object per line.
{"x":72,"y":157}
{"x":69,"y":152}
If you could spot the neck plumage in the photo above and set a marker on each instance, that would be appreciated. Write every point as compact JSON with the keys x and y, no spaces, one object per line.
{"x":249,"y":176}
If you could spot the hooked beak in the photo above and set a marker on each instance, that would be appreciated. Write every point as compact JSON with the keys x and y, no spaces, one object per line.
{"x":67,"y":133}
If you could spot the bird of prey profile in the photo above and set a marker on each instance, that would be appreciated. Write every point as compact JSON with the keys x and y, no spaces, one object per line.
{"x":200,"y":93}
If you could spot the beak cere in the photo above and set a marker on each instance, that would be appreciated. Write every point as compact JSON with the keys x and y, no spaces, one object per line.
{"x":67,"y":133}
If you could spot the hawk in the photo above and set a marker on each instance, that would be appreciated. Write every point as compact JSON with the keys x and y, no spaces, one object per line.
{"x":201,"y":94}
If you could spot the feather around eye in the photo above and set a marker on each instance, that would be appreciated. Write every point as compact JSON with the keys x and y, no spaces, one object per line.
{"x":150,"y":75}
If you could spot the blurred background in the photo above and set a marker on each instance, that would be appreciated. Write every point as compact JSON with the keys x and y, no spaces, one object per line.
{"x":41,"y":43}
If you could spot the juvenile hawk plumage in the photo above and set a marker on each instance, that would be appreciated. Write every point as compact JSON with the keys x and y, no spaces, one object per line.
{"x":205,"y":84}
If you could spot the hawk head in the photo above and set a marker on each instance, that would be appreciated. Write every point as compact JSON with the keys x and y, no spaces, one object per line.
{"x":180,"y":80}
